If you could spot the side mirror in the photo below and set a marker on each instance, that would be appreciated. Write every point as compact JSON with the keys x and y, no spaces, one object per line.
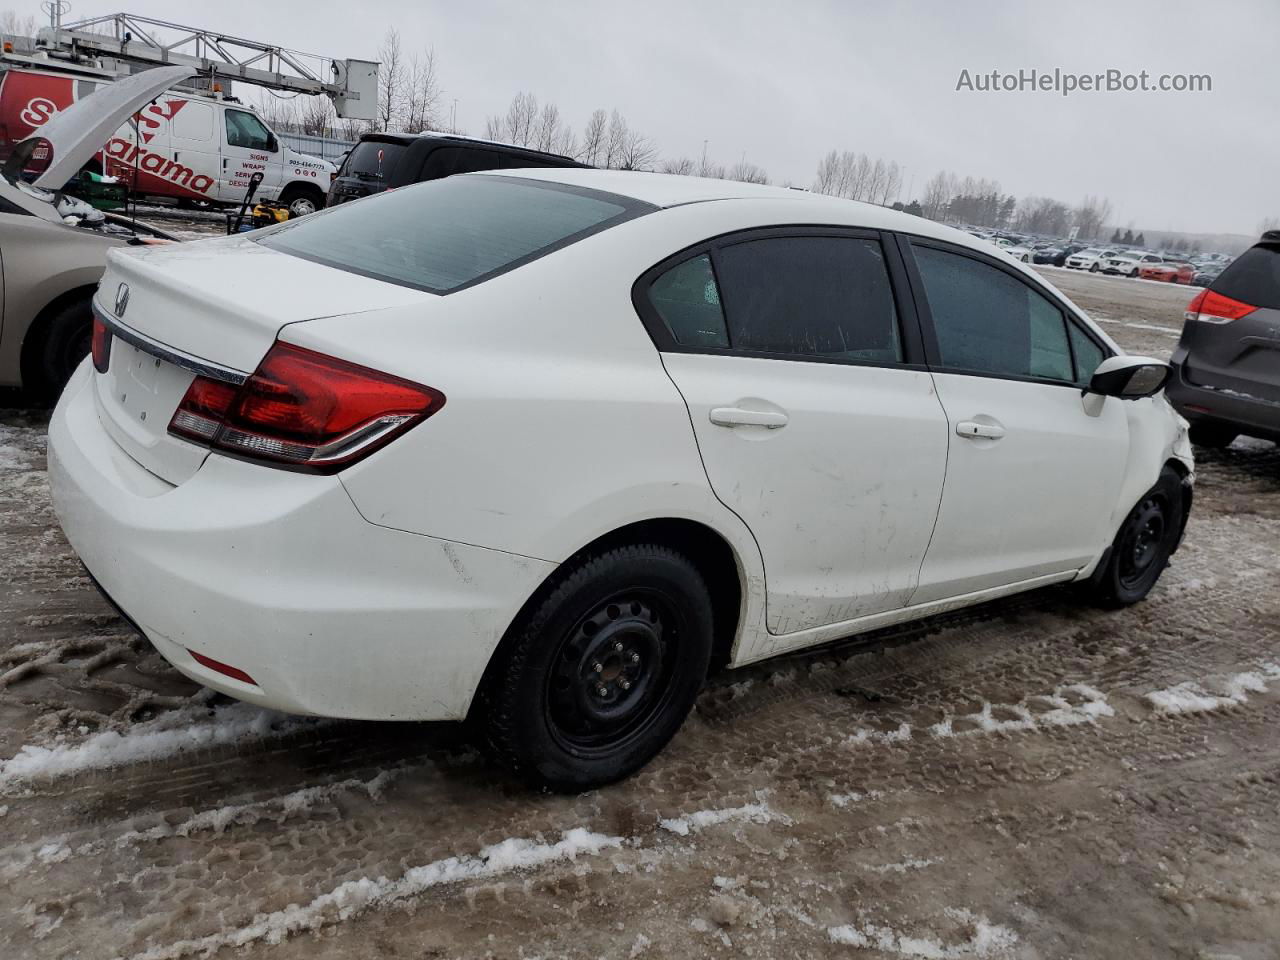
{"x":1129,"y":378}
{"x":272,"y":143}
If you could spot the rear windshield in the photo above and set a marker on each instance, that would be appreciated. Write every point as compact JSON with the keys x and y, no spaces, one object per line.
{"x":1254,"y":277}
{"x":443,"y":235}
{"x":373,"y":160}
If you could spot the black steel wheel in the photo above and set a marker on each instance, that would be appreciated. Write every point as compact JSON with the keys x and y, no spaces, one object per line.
{"x":595,"y":678}
{"x":1142,"y":546}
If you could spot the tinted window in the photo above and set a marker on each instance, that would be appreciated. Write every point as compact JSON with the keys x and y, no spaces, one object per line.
{"x":246,"y":130}
{"x":445,"y":234}
{"x":688,"y":301}
{"x":372,"y":160}
{"x":1088,"y":354}
{"x":810,"y":296}
{"x":446,"y":161}
{"x":1254,"y":277}
{"x":987,"y":321}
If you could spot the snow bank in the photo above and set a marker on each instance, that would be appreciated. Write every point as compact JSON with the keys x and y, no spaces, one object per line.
{"x":759,"y":812}
{"x":355,"y":896}
{"x":155,"y":740}
{"x":843,"y":800}
{"x":986,"y":939}
{"x":1214,"y":694}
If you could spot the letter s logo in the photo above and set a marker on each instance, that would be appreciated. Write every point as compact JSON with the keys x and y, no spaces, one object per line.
{"x":38,"y":111}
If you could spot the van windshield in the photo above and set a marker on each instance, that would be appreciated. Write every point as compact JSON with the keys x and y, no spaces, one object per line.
{"x":373,"y":160}
{"x":447,"y":234}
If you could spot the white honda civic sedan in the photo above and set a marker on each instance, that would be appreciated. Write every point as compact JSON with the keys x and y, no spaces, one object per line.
{"x":539,"y":448}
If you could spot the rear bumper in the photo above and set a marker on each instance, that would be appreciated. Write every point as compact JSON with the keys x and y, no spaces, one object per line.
{"x":276,"y":574}
{"x":1200,"y":404}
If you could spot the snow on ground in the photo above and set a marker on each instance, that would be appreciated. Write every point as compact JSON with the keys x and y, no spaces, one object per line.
{"x":1216,"y":693}
{"x":759,"y":812}
{"x":986,"y":939}
{"x":356,"y":896}
{"x":175,"y":733}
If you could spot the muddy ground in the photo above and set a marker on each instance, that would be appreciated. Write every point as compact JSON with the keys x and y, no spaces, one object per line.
{"x":1033,"y":779}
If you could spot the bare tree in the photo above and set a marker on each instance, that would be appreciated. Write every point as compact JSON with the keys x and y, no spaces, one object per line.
{"x":593,"y":138}
{"x":638,"y":152}
{"x":391,"y":79}
{"x":422,"y":93}
{"x":12,"y":25}
{"x":828,"y":177}
{"x":316,"y":116}
{"x":683,"y":166}
{"x":747,"y":173}
{"x":1091,"y":216}
{"x":937,"y":195}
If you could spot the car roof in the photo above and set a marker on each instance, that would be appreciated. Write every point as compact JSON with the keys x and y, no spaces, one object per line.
{"x":407,"y":139}
{"x":665,"y":190}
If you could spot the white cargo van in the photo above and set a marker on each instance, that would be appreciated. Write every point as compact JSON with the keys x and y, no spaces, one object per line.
{"x":182,"y":145}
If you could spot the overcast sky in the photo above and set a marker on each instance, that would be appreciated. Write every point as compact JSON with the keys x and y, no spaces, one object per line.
{"x":784,"y":83}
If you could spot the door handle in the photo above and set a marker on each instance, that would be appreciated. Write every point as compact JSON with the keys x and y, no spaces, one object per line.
{"x":738,"y":417}
{"x":973,"y":430}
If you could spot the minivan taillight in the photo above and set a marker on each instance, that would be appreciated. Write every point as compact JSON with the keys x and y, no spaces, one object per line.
{"x":304,"y":410}
{"x":1210,"y":307}
{"x":100,"y":345}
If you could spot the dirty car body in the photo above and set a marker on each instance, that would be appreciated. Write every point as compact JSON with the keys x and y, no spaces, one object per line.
{"x":499,"y":415}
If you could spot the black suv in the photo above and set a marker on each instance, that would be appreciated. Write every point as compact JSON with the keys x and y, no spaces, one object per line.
{"x":382,"y":160}
{"x":1226,"y":369}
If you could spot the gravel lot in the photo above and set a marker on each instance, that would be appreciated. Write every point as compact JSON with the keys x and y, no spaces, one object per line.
{"x":1029,"y":779}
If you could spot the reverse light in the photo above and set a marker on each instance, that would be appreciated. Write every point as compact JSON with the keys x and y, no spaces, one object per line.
{"x":303,"y":410}
{"x":1210,"y":307}
{"x":100,"y":345}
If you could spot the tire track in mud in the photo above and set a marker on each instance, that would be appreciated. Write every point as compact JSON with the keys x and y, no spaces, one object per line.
{"x":923,"y":766}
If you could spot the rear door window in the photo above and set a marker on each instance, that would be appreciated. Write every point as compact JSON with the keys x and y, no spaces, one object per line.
{"x":816,"y":297}
{"x":452,"y":233}
{"x":1253,"y":277}
{"x":373,"y":160}
{"x":688,"y":301}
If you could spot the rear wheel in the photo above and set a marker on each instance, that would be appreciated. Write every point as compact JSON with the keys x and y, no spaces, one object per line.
{"x":1213,"y":435}
{"x":302,"y":199}
{"x":603,"y":671}
{"x":62,"y":340}
{"x":1142,"y":547}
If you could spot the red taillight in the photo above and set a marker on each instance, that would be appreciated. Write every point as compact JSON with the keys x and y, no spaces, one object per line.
{"x":1210,"y":307}
{"x":304,"y":409}
{"x":101,"y":345}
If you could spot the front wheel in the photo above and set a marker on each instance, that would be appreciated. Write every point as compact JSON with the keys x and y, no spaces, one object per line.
{"x":1093,"y":268}
{"x":1142,"y":548}
{"x":601,"y":673}
{"x":302,"y":199}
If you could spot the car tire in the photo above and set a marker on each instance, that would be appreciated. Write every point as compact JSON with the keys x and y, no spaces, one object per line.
{"x":1133,"y":274}
{"x":302,"y":199}
{"x":1093,"y":268}
{"x":1212,"y":435}
{"x":1142,"y":547}
{"x":597,"y":676}
{"x":63,"y":339}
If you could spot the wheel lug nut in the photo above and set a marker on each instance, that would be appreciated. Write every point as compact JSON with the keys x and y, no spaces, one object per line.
{"x":598,"y":667}
{"x":617,"y":646}
{"x":624,"y":683}
{"x":635,"y":657}
{"x":602,"y":690}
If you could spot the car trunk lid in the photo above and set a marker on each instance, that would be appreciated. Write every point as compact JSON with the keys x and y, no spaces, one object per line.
{"x":212,"y":308}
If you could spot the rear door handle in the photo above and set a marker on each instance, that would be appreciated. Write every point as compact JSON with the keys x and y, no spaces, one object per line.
{"x":972,"y":429}
{"x":738,"y":417}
